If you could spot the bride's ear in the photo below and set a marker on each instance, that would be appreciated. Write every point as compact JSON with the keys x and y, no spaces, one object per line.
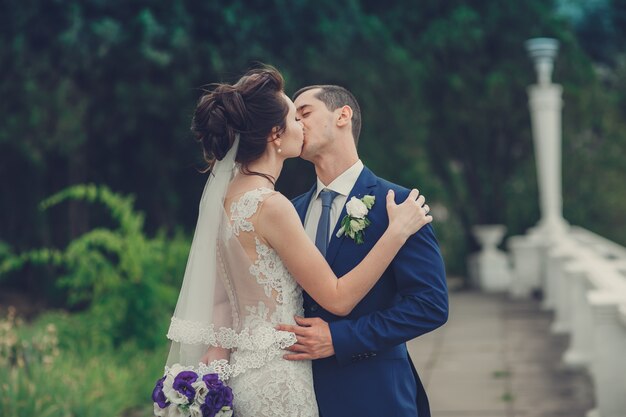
{"x":275,"y":139}
{"x":275,"y":135}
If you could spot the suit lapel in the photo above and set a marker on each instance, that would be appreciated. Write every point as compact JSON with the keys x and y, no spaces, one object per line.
{"x":364,"y":185}
{"x":303,"y":204}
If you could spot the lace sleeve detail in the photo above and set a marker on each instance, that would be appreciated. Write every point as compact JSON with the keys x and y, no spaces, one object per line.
{"x":244,"y":208}
{"x":253,"y":348}
{"x":241,"y":362}
{"x":260,"y":338}
{"x":221,"y":367}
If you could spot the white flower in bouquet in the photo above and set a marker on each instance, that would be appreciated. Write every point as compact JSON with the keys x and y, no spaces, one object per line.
{"x":194,"y":410}
{"x":182,"y":392}
{"x":201,"y":391}
{"x":178,"y":385}
{"x":161,"y":412}
{"x":174,"y":396}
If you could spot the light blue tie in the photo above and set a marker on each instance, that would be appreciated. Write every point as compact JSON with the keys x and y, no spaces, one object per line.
{"x":321,"y":237}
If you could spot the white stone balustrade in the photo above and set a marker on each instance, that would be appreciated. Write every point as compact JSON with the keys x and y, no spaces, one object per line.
{"x":581,"y":275}
{"x":585,"y":284}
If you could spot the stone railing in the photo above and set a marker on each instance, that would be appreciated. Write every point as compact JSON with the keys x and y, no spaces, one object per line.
{"x":582,"y":277}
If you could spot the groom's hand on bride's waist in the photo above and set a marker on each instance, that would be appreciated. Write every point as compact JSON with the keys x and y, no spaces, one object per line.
{"x":313,"y":339}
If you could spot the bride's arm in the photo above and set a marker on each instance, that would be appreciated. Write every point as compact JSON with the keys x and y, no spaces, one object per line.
{"x":222,"y":317}
{"x":216,"y":353}
{"x":280,"y":225}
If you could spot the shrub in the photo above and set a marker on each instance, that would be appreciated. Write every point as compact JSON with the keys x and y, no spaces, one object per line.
{"x":125,"y":282}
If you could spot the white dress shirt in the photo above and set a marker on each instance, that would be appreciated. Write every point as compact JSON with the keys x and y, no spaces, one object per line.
{"x":343,"y":184}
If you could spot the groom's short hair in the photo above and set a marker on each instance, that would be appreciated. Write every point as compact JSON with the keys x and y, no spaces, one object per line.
{"x":334,"y":97}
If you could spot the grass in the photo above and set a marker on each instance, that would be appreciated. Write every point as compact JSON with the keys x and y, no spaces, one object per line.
{"x":81,"y":382}
{"x":102,"y":360}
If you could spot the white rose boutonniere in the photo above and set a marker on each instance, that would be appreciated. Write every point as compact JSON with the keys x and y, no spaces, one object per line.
{"x":354,"y":223}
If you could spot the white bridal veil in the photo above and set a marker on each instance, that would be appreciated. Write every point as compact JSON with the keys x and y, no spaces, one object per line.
{"x":197,"y":310}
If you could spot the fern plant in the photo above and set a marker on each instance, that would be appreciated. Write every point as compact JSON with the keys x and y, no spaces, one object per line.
{"x":127,"y":280}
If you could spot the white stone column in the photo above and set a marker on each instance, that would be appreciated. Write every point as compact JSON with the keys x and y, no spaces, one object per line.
{"x":527,"y":260}
{"x":581,"y":344}
{"x":558,"y":285}
{"x":557,"y":256}
{"x":609,"y":353}
{"x":545,"y":110}
{"x":562,"y":306}
{"x":550,"y":284}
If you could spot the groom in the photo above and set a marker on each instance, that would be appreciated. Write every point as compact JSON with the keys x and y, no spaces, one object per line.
{"x":361,"y":366}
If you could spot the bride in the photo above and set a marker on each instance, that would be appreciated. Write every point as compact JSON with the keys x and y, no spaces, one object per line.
{"x":251,"y":259}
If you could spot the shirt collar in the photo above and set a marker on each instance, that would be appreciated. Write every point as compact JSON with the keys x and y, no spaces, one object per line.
{"x":343,"y":183}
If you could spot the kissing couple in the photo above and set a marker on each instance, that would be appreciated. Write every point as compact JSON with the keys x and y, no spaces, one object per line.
{"x":302,"y":308}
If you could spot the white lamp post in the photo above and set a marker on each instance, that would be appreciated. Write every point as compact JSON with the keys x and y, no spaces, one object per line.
{"x":545,"y":109}
{"x":529,"y":252}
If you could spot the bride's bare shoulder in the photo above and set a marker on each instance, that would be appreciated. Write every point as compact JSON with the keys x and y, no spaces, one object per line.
{"x":277,"y":203}
{"x":278,"y":221}
{"x":277,"y":209}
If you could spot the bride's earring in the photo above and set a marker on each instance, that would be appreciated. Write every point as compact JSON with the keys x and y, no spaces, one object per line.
{"x":278,"y":137}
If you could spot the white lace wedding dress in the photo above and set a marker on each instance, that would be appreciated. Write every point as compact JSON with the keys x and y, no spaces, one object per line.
{"x":257,"y":293}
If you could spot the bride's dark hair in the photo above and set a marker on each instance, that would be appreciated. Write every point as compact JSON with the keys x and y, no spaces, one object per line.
{"x":252,"y":107}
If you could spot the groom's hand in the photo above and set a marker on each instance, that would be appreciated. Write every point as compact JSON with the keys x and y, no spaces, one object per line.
{"x":313,"y":339}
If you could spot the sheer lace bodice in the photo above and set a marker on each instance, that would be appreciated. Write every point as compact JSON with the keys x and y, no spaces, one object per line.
{"x":254,"y":293}
{"x":266,"y":292}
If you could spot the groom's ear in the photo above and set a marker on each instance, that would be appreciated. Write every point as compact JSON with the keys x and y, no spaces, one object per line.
{"x":344,"y":116}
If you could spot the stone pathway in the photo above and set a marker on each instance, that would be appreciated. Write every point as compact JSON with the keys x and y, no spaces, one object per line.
{"x":496,"y":357}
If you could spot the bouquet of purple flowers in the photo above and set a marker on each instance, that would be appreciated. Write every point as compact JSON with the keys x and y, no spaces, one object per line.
{"x":182,"y":392}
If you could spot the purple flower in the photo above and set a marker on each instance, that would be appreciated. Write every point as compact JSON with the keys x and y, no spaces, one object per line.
{"x":217,"y":398}
{"x":157,"y":394}
{"x":227,"y":396}
{"x":183,"y":384}
{"x":211,"y":404}
{"x":212,"y":381}
{"x":189,"y":376}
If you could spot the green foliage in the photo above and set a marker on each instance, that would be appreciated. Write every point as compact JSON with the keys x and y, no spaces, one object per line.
{"x":5,"y":249}
{"x":26,"y":352}
{"x":104,"y":91}
{"x":594,"y":196}
{"x":46,"y":369}
{"x":125,"y":282}
{"x":120,"y":208}
{"x":477,"y":129}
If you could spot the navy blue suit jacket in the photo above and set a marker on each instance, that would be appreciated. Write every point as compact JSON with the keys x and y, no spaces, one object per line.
{"x":371,"y":374}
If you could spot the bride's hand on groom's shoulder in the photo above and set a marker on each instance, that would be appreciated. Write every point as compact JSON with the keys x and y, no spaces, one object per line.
{"x":408,"y":217}
{"x":314,"y":340}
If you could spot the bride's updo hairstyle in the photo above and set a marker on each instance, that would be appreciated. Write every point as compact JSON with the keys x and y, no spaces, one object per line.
{"x":252,"y":107}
